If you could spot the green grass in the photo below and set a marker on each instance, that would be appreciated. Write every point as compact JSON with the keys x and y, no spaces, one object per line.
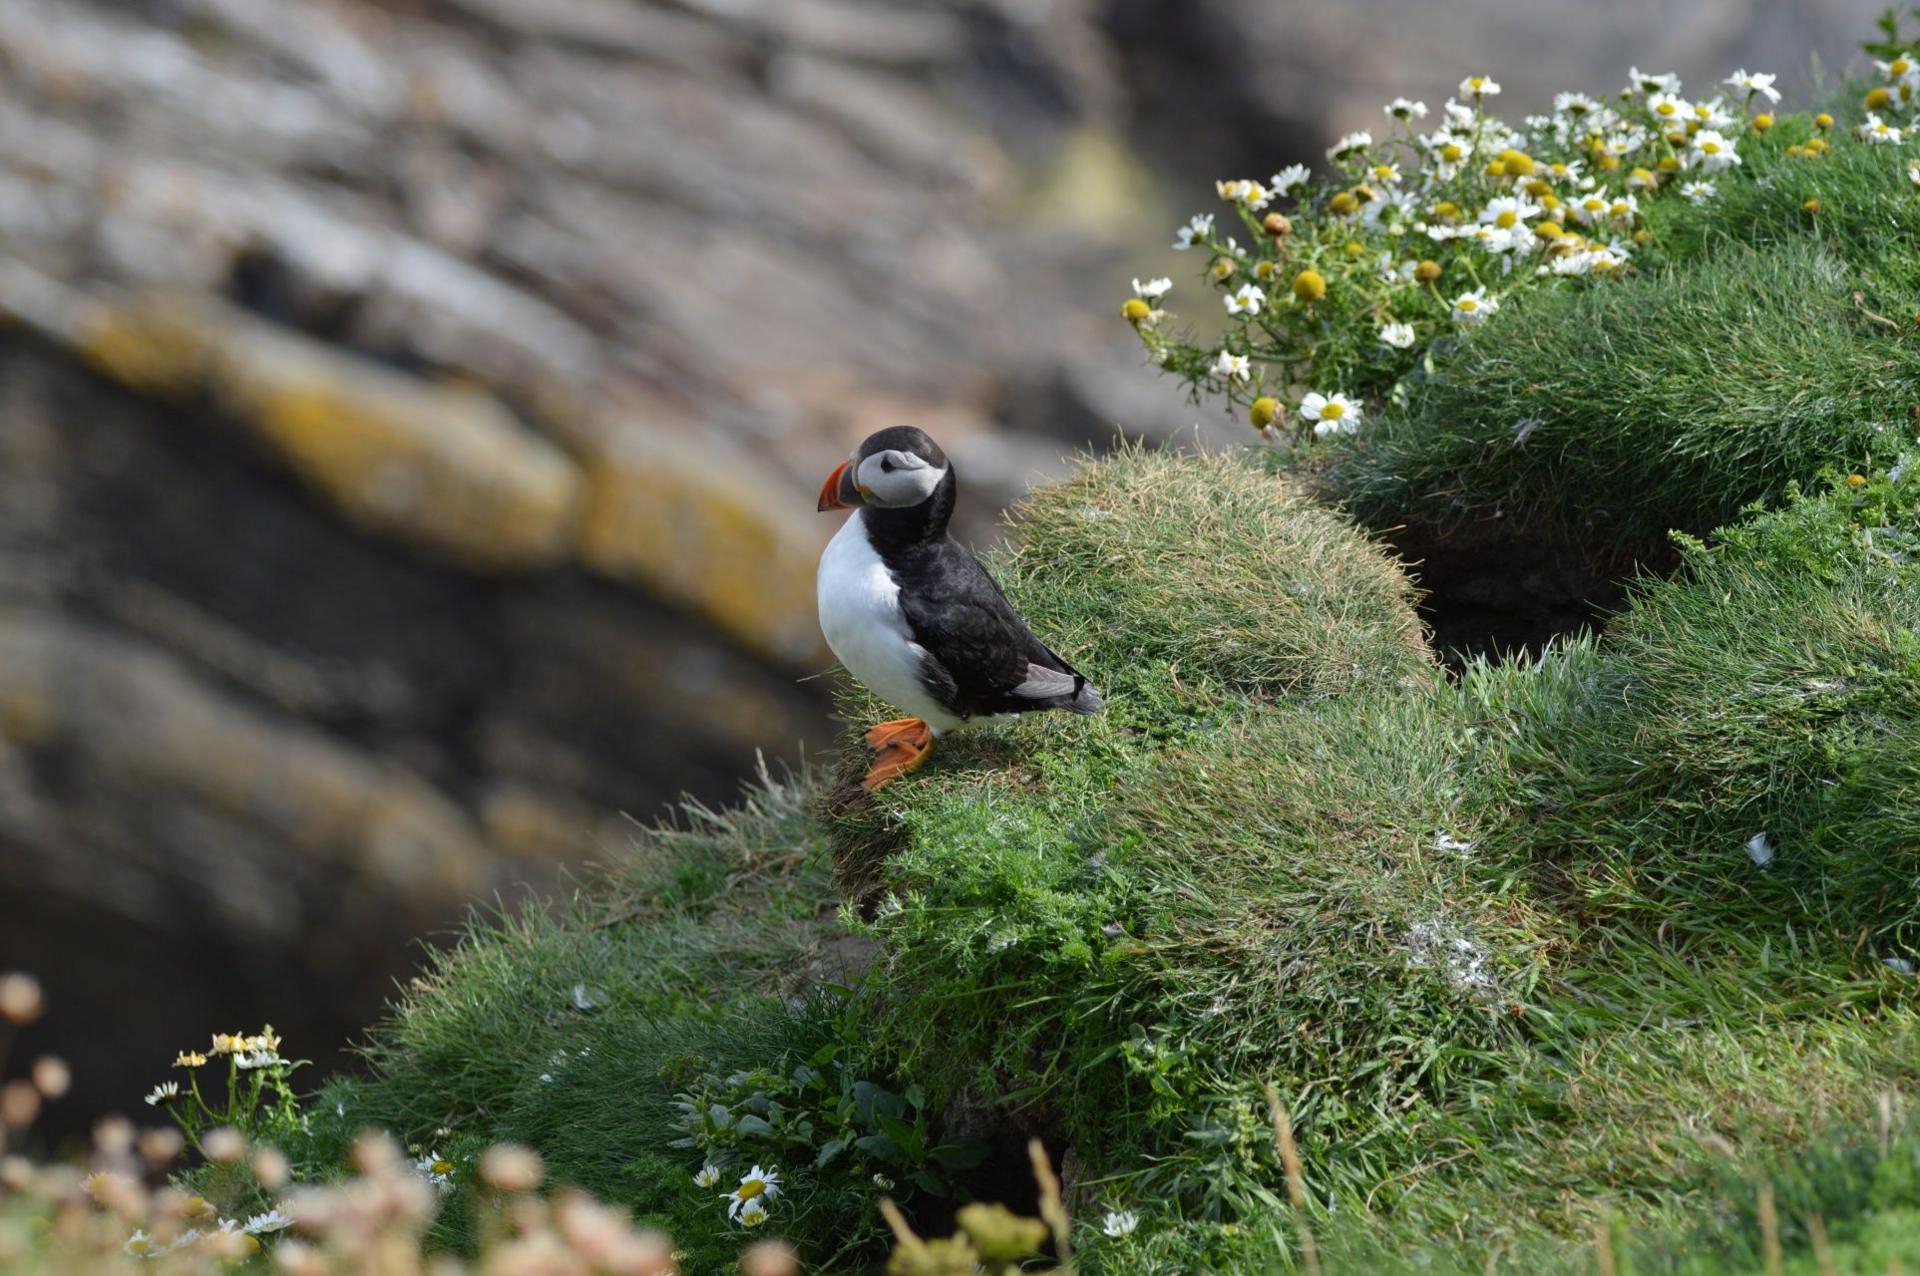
{"x":1669,"y":400}
{"x":1497,"y":940}
{"x":698,"y":954}
{"x":1754,"y":344}
{"x":1121,"y":934}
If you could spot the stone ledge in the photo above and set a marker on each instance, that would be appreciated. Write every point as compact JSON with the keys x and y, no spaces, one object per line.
{"x":116,"y":708}
{"x":446,"y":468}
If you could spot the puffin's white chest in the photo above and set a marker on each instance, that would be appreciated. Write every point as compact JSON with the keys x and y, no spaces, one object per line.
{"x":861,"y":618}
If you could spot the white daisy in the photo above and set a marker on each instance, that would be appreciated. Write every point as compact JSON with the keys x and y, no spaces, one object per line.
{"x":1287,"y":178}
{"x":1246,"y":301}
{"x":1760,"y":849}
{"x":1230,"y":366}
{"x":1508,"y":212}
{"x":1574,"y":104}
{"x":1478,"y":86}
{"x":1473,"y":307}
{"x":1120,"y":1223}
{"x":1330,"y":413}
{"x":1397,"y":335}
{"x":1671,"y":111}
{"x":141,"y":1245}
{"x":1589,"y":208}
{"x":752,"y":1214}
{"x":1194,"y":232}
{"x":1878,"y":130}
{"x":1624,"y":143}
{"x":271,"y":1221}
{"x":1639,"y":81}
{"x":708,"y":1176}
{"x":1403,"y":109}
{"x":1713,"y":152}
{"x":1153,"y":289}
{"x":258,"y":1059}
{"x":1913,"y":174}
{"x":1698,"y":192}
{"x":1754,"y":82}
{"x":435,"y":1169}
{"x":757,"y":1187}
{"x":1244,"y":190}
{"x":1358,"y":141}
{"x":165,"y":1092}
{"x":1713,"y":113}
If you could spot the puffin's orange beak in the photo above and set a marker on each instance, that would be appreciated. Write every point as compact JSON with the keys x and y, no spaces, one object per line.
{"x":838,"y":492}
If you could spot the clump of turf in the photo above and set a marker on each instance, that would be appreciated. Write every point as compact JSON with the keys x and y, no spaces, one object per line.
{"x":1208,"y":574}
{"x":1667,"y":400}
{"x":573,"y":1030}
{"x":1748,"y":754}
{"x":1454,"y":923}
{"x":1499,"y":943}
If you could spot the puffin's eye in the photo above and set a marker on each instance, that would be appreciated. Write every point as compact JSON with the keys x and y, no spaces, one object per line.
{"x":886,"y":466}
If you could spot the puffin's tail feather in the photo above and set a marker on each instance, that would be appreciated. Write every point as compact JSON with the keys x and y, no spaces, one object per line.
{"x":1048,"y":688}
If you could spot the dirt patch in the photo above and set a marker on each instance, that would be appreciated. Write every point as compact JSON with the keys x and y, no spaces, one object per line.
{"x":1495,"y":589}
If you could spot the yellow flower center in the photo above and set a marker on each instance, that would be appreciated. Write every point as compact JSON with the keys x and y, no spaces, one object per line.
{"x":1823,"y":120}
{"x":1333,"y":411}
{"x":1468,"y":303}
{"x":443,"y":1167}
{"x":750,"y":1189}
{"x":1666,"y":108}
{"x":1856,"y":480}
{"x":1878,"y":98}
{"x":1135,"y":310}
{"x":1506,"y":219}
{"x":1899,"y":66}
{"x":1710,"y":147}
{"x":1452,"y":152}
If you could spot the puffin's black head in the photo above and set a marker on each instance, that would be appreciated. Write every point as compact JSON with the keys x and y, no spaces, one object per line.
{"x":897,"y":468}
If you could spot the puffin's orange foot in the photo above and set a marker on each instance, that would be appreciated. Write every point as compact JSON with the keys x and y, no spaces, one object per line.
{"x":878,"y":737}
{"x":902,"y":746}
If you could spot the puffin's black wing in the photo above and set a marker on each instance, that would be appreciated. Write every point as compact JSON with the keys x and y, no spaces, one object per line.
{"x":981,"y":657}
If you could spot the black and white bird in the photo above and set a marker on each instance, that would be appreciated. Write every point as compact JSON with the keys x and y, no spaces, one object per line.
{"x":915,"y":617}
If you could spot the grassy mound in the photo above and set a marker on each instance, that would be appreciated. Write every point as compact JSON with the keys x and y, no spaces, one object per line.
{"x":1668,"y":400}
{"x":1500,"y":943}
{"x":1456,"y":924}
{"x":701,"y":955}
{"x":1766,"y":343}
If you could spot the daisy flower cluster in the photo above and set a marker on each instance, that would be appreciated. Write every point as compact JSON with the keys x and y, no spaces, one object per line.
{"x":257,"y":1098}
{"x":1334,"y":286}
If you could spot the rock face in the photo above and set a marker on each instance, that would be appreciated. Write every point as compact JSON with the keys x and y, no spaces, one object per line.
{"x":410,"y":415}
{"x":409,"y":423}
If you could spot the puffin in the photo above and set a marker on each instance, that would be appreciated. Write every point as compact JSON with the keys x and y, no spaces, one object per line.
{"x":915,"y":618}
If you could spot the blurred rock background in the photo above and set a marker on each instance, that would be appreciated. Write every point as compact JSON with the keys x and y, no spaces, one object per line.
{"x":410,"y":413}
